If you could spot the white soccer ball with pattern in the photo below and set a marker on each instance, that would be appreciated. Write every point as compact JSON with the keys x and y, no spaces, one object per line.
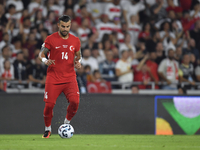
{"x":66,"y":131}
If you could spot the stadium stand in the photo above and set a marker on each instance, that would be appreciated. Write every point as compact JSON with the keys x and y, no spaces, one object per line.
{"x":147,"y":46}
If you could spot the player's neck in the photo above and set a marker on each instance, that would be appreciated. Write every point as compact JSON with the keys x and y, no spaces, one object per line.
{"x":66,"y":37}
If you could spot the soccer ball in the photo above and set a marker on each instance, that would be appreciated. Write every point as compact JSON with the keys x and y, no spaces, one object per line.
{"x":66,"y":131}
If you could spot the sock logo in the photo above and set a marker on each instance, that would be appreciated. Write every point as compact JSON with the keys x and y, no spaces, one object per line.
{"x":45,"y":95}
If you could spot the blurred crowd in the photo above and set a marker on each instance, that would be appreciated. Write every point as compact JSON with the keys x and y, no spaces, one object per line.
{"x":121,"y":40}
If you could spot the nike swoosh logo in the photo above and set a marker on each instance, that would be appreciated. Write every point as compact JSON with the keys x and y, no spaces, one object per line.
{"x":57,"y":47}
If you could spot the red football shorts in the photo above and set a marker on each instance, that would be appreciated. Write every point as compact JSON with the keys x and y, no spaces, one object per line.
{"x":52,"y":91}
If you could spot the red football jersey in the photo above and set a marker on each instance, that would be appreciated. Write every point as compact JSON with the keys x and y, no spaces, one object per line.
{"x":63,"y":52}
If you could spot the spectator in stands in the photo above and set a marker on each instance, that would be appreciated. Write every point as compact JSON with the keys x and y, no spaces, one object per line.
{"x":153,"y":66}
{"x":98,"y":54}
{"x":6,"y":41}
{"x":134,"y":89}
{"x":36,"y":5}
{"x":145,"y":33}
{"x":51,"y":18}
{"x":30,"y":44}
{"x":142,"y":73}
{"x":167,"y":36}
{"x":157,"y":10}
{"x":104,"y":27}
{"x":168,"y":71}
{"x":17,"y":46}
{"x":89,"y":60}
{"x":116,"y":27}
{"x":133,"y":8}
{"x":95,"y":9}
{"x":53,"y":6}
{"x":84,"y":14}
{"x":123,"y":68}
{"x":113,"y":9}
{"x":127,"y":44}
{"x":152,"y":42}
{"x":195,"y":13}
{"x":8,"y":71}
{"x":195,"y":34}
{"x":81,"y":79}
{"x":178,"y":54}
{"x":182,"y":91}
{"x":134,"y":28}
{"x":38,"y":18}
{"x":74,"y":28}
{"x":191,"y":49}
{"x":69,"y":4}
{"x":160,"y":53}
{"x":7,"y":74}
{"x":69,"y":12}
{"x":197,"y":72}
{"x":115,"y":51}
{"x":89,"y":75}
{"x":186,"y":71}
{"x":97,"y":76}
{"x":6,"y":55}
{"x":26,"y":60}
{"x":19,"y":68}
{"x":77,"y":7}
{"x":11,"y":14}
{"x":83,"y":32}
{"x":3,"y":19}
{"x":92,"y":40}
{"x":37,"y":74}
{"x":107,"y":67}
{"x":43,"y":33}
{"x":26,"y":26}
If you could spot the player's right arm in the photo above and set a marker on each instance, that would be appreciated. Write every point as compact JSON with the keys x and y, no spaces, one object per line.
{"x":42,"y":56}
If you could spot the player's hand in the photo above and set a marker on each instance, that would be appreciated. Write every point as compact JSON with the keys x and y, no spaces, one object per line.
{"x":77,"y":65}
{"x":48,"y":62}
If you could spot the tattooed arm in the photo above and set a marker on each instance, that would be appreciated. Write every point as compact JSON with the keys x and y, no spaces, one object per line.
{"x":78,"y":59}
{"x":42,"y":56}
{"x":78,"y":56}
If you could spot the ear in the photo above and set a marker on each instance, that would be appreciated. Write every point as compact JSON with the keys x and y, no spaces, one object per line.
{"x":58,"y":24}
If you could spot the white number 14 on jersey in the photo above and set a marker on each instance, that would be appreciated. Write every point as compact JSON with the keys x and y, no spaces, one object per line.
{"x":64,"y":55}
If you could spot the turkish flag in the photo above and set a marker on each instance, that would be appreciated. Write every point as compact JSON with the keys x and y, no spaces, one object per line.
{"x":99,"y":87}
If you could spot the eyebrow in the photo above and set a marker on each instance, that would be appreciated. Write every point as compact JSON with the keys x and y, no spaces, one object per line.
{"x":65,"y":26}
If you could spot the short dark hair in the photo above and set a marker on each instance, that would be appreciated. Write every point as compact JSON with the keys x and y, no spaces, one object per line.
{"x":11,"y":6}
{"x":4,"y":48}
{"x":64,"y":18}
{"x":95,"y":71}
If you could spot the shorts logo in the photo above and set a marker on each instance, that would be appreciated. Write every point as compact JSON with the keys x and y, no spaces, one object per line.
{"x":45,"y":95}
{"x":77,"y":92}
{"x":71,"y":48}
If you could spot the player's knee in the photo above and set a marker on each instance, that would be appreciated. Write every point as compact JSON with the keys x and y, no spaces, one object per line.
{"x":48,"y":110}
{"x":74,"y":103}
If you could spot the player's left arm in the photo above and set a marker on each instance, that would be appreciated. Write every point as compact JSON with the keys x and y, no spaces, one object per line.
{"x":78,"y":59}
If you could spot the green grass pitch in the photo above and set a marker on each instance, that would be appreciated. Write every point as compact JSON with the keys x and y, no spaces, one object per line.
{"x":99,"y":142}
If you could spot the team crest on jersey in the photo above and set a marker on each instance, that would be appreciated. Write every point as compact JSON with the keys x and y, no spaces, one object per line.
{"x":65,"y":46}
{"x":71,"y":48}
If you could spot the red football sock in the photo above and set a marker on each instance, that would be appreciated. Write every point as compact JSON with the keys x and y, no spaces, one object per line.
{"x":48,"y":113}
{"x":73,"y":107}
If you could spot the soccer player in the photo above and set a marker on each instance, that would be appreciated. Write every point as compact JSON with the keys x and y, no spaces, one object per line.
{"x":64,"y":54}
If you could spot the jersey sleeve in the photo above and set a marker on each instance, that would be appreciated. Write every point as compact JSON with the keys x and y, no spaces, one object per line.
{"x":78,"y":45}
{"x":47,"y":43}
